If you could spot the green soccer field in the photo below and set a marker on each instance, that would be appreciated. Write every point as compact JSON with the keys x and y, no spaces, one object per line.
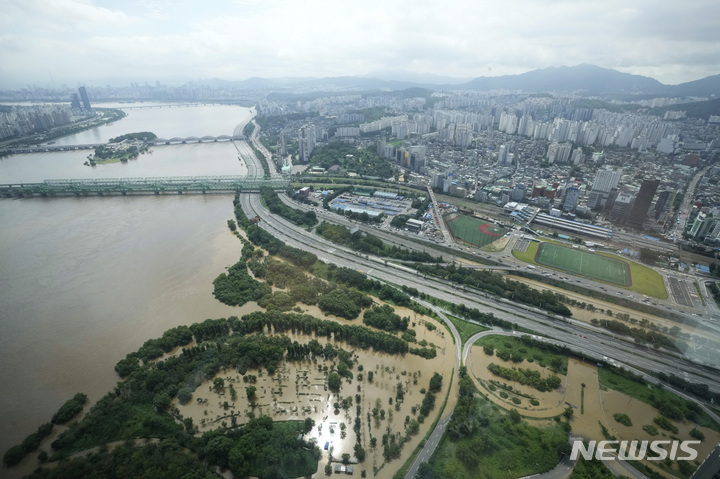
{"x":474,"y":231}
{"x":602,"y":268}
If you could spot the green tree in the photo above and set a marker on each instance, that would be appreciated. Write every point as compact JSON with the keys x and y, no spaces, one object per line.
{"x":161,"y":402}
{"x":219,"y":385}
{"x":250,"y":391}
{"x":334,"y":382}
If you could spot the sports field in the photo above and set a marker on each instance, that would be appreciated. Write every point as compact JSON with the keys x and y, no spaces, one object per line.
{"x":599,"y":267}
{"x":474,"y":231}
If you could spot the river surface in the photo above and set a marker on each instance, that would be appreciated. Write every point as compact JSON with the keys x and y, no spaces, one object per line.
{"x":84,"y":281}
{"x":181,"y":122}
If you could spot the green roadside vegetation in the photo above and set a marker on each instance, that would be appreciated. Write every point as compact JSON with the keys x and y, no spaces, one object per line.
{"x":465,"y":328}
{"x":525,"y":348}
{"x":497,"y":284}
{"x":482,"y":440}
{"x":248,"y":129}
{"x":640,"y":335}
{"x":306,"y":219}
{"x":528,"y":256}
{"x":592,"y":469}
{"x":263,"y":160}
{"x":609,"y":298}
{"x":668,"y":404}
{"x":371,"y":244}
{"x":699,"y":293}
{"x":714,"y":291}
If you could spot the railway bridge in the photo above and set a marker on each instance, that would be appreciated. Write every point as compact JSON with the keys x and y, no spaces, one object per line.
{"x":140,"y":186}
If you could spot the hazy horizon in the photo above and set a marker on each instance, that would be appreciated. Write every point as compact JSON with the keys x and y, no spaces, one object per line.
{"x":94,"y":42}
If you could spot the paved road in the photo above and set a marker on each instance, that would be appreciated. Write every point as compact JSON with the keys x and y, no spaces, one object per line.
{"x":680,"y":292}
{"x":427,"y":451}
{"x":438,"y":217}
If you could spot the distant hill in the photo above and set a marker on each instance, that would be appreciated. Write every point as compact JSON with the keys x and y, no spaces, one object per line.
{"x":698,"y":109}
{"x":707,"y":86}
{"x":586,"y":79}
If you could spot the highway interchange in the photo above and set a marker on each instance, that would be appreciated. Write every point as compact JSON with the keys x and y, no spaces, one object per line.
{"x":590,"y":343}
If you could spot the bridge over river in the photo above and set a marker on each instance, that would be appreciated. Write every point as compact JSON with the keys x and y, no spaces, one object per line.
{"x":91,"y":146}
{"x":140,"y":186}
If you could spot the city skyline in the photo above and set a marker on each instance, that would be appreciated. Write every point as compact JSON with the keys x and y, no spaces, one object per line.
{"x":74,"y":41}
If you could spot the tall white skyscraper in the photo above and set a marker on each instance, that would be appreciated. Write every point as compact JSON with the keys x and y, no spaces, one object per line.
{"x":606,"y":180}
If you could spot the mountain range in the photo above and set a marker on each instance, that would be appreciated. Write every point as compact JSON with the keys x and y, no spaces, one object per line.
{"x":588,"y":80}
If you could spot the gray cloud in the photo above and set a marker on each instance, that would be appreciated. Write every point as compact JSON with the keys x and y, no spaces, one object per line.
{"x":81,"y":40}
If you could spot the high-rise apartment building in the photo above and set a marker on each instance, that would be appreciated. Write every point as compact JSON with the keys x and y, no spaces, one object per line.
{"x":85,"y":99}
{"x":606,"y":180}
{"x":306,"y":142}
{"x":644,"y":198}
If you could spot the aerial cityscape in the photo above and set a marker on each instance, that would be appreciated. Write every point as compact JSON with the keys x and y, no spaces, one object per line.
{"x":457,"y":253}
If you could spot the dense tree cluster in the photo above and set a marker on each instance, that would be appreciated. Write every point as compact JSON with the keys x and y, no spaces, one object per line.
{"x":70,"y":409}
{"x":272,"y":245}
{"x":237,"y":287}
{"x":384,"y":317}
{"x":357,"y":336}
{"x":16,"y":453}
{"x":351,"y":159}
{"x":165,"y":460}
{"x":698,"y":389}
{"x":494,"y":283}
{"x":371,"y":244}
{"x":399,"y":221}
{"x":640,"y":335}
{"x":527,"y":377}
{"x":345,"y":303}
{"x":142,"y":135}
{"x":293,"y":215}
{"x":262,"y":159}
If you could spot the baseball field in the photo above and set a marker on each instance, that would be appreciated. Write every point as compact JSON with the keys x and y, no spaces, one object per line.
{"x":473,"y":230}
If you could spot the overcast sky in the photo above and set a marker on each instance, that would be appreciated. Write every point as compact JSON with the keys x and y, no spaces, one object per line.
{"x":49,"y":42}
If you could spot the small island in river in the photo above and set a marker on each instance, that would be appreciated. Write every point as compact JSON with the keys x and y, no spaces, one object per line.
{"x":121,"y":149}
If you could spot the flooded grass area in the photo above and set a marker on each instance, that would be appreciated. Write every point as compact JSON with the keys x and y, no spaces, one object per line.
{"x":385,"y":394}
{"x":604,"y":404}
